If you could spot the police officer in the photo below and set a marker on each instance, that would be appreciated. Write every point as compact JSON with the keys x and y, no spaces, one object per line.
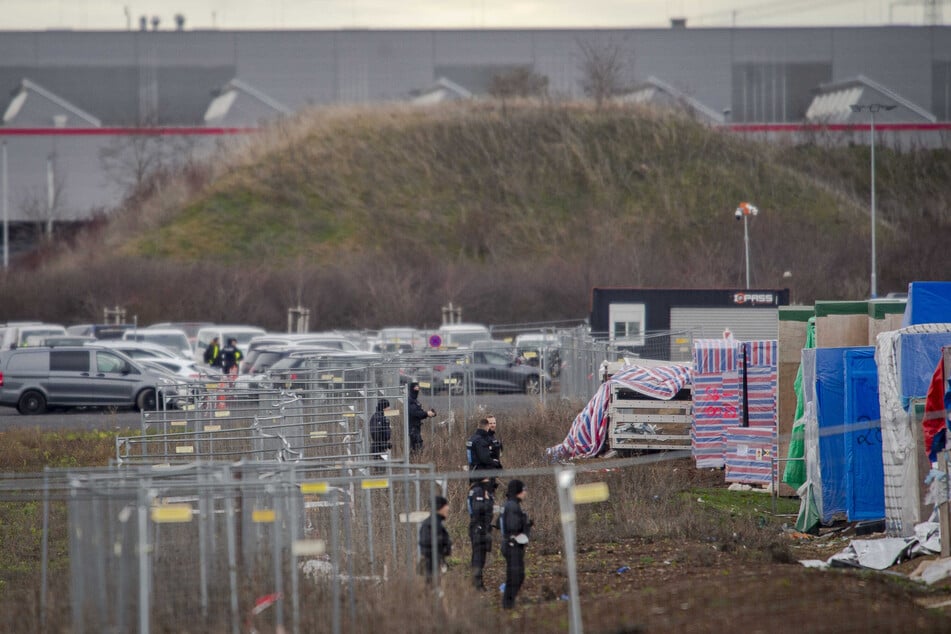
{"x":480,"y":504}
{"x":230,"y":357}
{"x":442,"y":548}
{"x":379,"y":429}
{"x":213,"y":353}
{"x":516,"y":527}
{"x":482,"y":454}
{"x":416,"y":414}
{"x":496,"y":443}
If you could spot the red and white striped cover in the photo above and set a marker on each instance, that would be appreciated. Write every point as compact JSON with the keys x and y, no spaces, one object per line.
{"x":590,"y":428}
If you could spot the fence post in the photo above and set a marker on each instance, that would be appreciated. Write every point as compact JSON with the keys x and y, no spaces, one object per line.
{"x":566,"y":479}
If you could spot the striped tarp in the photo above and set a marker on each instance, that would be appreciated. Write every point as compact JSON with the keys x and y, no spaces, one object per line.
{"x":716,"y":398}
{"x":718,"y":394}
{"x":750,"y":453}
{"x":715,"y":407}
{"x":715,"y":356}
{"x":590,"y":428}
{"x":762,"y":387}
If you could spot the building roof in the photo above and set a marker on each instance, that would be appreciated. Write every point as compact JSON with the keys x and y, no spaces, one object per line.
{"x":240,"y":104}
{"x":440,"y":91}
{"x":656,"y":92}
{"x":34,"y":106}
{"x":834,"y":100}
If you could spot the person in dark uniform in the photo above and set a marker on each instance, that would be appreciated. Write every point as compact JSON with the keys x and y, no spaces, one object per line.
{"x":443,"y":546}
{"x":230,"y":357}
{"x":378,"y":428}
{"x":480,"y":504}
{"x":479,"y":452}
{"x":496,"y":452}
{"x":213,"y":353}
{"x":416,"y":414}
{"x":516,"y":527}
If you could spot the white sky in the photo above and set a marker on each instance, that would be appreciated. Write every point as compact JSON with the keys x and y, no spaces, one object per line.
{"x":467,"y":14}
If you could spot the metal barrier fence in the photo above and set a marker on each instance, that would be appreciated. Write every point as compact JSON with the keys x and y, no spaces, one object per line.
{"x":284,"y":546}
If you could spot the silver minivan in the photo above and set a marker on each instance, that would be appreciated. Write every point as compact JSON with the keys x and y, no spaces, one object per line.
{"x":34,"y":379}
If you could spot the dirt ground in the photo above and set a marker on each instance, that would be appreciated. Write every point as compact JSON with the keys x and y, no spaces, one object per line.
{"x":640,"y":585}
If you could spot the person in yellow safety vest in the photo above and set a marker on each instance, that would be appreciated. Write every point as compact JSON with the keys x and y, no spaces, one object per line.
{"x":213,"y":353}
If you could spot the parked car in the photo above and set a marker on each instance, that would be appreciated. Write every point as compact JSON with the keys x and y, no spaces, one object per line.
{"x":184,"y":368}
{"x":138,"y":349}
{"x":191,"y":328}
{"x":34,"y":379}
{"x":540,"y":349}
{"x":485,"y":371}
{"x":25,"y":333}
{"x":315,"y":369}
{"x":416,"y":339}
{"x":174,"y":339}
{"x":496,"y":345}
{"x":462,"y":335}
{"x":302,"y":339}
{"x":391,"y":347}
{"x":99,"y":331}
{"x":66,"y":340}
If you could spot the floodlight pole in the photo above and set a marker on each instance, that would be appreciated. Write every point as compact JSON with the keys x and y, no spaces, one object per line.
{"x":745,"y":210}
{"x":746,"y":243}
{"x":872,"y":108}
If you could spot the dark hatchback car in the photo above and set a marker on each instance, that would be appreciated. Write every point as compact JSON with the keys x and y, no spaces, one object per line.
{"x":485,"y":371}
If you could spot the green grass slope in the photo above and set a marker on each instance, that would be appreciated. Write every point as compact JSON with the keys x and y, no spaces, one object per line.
{"x":513,"y":210}
{"x":481,"y":184}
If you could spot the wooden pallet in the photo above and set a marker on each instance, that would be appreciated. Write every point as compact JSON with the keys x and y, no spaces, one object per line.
{"x":670,"y":419}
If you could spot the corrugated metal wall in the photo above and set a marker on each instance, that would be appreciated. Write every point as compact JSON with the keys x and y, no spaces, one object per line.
{"x":746,"y":324}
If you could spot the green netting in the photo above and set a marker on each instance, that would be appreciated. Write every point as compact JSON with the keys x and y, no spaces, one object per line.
{"x":795,"y":472}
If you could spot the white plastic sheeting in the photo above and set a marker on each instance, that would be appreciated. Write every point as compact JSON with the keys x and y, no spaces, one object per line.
{"x":900,"y":450}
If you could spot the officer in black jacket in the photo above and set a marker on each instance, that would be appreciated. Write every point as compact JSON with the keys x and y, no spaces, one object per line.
{"x":416,"y":415}
{"x":496,"y":452}
{"x":481,"y":504}
{"x":379,"y":429}
{"x":443,"y":546}
{"x":516,"y":528}
{"x":230,"y":357}
{"x":482,"y":453}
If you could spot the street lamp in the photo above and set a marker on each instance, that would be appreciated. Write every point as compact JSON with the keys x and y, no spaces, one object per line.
{"x":872,"y":108}
{"x":744,"y":211}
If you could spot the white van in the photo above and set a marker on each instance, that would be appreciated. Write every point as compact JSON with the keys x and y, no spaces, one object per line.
{"x":175,"y":339}
{"x":243,"y":334}
{"x":21,"y":334}
{"x":462,"y":335}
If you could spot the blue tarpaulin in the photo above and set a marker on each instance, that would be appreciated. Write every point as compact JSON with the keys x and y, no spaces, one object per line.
{"x":865,"y":477}
{"x":830,"y":413}
{"x":917,"y":356}
{"x":928,"y":303}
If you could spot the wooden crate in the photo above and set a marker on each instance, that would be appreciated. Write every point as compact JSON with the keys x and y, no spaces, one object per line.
{"x":670,"y":419}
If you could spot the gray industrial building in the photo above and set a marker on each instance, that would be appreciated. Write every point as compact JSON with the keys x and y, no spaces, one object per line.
{"x":66,"y":95}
